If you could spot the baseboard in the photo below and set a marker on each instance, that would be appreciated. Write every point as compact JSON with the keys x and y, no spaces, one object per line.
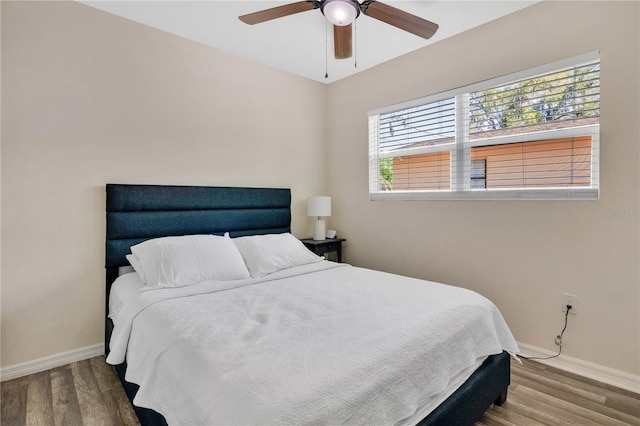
{"x":49,"y":362}
{"x":597,"y":372}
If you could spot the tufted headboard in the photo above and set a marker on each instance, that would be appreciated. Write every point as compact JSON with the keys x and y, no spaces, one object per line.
{"x":136,"y":213}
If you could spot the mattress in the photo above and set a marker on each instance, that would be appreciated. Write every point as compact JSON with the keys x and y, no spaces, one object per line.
{"x":323,"y":343}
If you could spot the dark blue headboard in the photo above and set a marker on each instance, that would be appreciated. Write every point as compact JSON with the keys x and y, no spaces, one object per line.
{"x":136,"y":213}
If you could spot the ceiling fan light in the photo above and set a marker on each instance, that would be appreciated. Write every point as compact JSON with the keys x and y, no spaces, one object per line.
{"x":340,"y":12}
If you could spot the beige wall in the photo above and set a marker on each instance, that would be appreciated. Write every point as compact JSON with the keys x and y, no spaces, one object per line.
{"x":89,"y":98}
{"x":521,"y":254}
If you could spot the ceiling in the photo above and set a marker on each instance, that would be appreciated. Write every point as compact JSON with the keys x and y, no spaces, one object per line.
{"x":297,"y":43}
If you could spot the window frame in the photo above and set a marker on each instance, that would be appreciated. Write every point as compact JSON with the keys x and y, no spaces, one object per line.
{"x":460,"y":149}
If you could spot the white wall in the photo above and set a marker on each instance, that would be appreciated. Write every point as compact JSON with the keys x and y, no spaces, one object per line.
{"x":89,"y":98}
{"x":521,"y":254}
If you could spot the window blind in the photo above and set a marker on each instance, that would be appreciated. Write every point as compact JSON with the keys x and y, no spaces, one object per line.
{"x":562,"y":98}
{"x":430,"y":124}
{"x":534,"y":134}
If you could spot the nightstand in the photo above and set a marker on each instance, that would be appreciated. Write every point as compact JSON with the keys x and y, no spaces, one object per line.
{"x":321,"y":247}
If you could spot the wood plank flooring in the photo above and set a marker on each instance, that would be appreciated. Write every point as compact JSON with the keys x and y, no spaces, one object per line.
{"x":542,"y":395}
{"x":83,"y":393}
{"x":89,"y":393}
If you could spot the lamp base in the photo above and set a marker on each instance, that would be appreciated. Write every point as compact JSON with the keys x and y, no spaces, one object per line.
{"x":319,"y":230}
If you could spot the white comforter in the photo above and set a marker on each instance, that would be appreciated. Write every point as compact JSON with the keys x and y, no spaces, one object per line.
{"x":323,"y":343}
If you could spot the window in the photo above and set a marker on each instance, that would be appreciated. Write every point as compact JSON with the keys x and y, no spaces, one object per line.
{"x":479,"y":173}
{"x":530,"y":135}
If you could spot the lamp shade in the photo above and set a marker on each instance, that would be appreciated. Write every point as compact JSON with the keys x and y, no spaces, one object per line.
{"x":319,"y":206}
{"x":340,"y":12}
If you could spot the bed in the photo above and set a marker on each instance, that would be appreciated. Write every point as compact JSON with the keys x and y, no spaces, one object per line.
{"x":314,"y":384}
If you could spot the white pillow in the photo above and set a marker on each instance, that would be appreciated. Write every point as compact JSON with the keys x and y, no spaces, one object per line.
{"x":137,"y":266}
{"x":188,"y":260}
{"x":265,"y":254}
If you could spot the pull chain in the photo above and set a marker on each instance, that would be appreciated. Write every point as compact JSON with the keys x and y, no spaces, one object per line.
{"x":326,"y":50}
{"x":355,"y":43}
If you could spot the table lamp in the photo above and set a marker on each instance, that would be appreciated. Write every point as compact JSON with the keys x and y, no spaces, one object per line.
{"x":318,"y":207}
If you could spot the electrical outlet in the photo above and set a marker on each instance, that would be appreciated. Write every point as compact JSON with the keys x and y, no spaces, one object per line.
{"x":570,"y":299}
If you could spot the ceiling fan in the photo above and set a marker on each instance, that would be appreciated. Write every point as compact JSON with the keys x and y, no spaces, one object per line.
{"x":342,"y":14}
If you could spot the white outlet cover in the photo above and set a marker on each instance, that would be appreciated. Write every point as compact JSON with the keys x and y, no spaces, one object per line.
{"x":570,"y":299}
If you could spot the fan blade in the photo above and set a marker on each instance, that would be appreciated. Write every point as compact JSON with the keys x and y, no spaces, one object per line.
{"x":342,"y":41}
{"x":400,"y":19}
{"x":278,"y":12}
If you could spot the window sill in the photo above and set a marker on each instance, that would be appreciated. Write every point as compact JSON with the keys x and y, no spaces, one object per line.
{"x":583,"y":194}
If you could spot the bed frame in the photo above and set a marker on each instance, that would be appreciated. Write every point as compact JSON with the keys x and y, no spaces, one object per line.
{"x":136,"y":213}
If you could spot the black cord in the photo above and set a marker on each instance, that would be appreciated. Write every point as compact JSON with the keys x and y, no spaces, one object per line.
{"x":566,"y":318}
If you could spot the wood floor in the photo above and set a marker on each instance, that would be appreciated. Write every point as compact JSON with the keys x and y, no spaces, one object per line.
{"x":89,"y":393}
{"x":541,"y":395}
{"x":83,"y":393}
